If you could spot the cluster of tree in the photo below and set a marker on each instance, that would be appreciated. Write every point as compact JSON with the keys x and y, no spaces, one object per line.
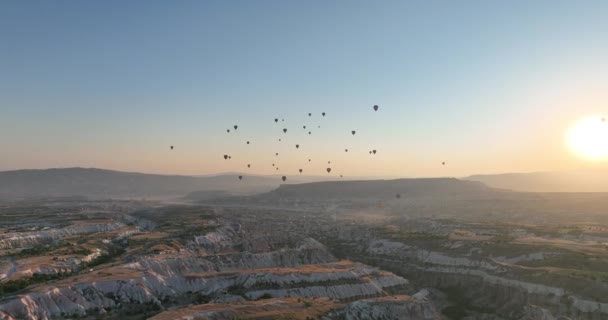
{"x":20,"y":284}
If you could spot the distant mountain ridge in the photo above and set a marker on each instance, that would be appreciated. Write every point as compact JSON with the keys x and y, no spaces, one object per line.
{"x":572,"y":181}
{"x":376,"y":189}
{"x":100,"y":183}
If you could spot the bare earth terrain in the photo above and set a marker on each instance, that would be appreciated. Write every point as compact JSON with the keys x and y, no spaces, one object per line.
{"x":471,"y":253}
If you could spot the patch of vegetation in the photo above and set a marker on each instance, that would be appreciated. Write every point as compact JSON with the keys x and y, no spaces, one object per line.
{"x":454,"y":312}
{"x":237,"y":290}
{"x":113,"y":252}
{"x":13,"y":286}
{"x":265,"y":296}
{"x":37,"y":250}
{"x":125,"y":311}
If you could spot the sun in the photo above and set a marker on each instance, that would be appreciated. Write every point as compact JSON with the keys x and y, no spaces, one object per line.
{"x":588,"y":138}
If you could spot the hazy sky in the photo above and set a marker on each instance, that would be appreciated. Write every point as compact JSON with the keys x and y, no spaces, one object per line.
{"x":487,"y":86}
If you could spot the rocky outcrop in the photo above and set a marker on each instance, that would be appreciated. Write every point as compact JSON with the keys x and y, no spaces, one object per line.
{"x":307,"y":270}
{"x":388,"y":308}
{"x":226,"y":236}
{"x":29,"y":239}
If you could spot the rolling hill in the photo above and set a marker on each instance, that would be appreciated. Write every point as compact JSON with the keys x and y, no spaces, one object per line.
{"x":99,"y":183}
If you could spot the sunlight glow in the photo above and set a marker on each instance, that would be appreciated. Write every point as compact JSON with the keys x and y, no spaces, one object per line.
{"x":589,"y":138}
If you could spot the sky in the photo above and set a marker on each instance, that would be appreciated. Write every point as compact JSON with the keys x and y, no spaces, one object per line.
{"x":486,"y":86}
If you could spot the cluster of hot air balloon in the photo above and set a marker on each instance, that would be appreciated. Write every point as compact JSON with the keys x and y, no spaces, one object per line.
{"x":276,"y":120}
{"x":328,"y":169}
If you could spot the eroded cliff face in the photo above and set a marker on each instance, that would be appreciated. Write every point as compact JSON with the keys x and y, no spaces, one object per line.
{"x":305,"y":270}
{"x":484,"y":286}
{"x":388,"y":308}
{"x":28,"y":239}
{"x":383,"y":308}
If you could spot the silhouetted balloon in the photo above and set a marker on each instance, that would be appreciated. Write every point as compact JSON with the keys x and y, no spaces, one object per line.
{"x":225,"y":157}
{"x":340,"y":176}
{"x":277,"y":168}
{"x":236,"y":127}
{"x":323,"y":114}
{"x":284,"y":178}
{"x":304,"y":127}
{"x":279,"y":139}
{"x":228,"y":130}
{"x":285,"y":130}
{"x":376,"y":108}
{"x":328,"y":170}
{"x":308,"y":132}
{"x":297,"y":146}
{"x":353,"y":132}
{"x":370,"y":152}
{"x":273,"y":164}
{"x":283,"y":120}
{"x":276,"y":120}
{"x":248,"y":166}
{"x":374,"y":151}
{"x":319,"y":127}
{"x":398,"y":196}
{"x":345,"y":150}
{"x":443,"y":163}
{"x":328,"y":162}
{"x":240,"y":177}
{"x":247,"y":142}
{"x":309,"y":160}
{"x":229,"y":157}
{"x":309,"y":114}
{"x":300,"y":170}
{"x":171,"y":147}
{"x":276,"y":154}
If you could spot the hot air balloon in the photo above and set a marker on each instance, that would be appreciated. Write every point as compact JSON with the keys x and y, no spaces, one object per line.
{"x":248,"y":166}
{"x":323,"y":114}
{"x":279,"y":139}
{"x":308,"y":132}
{"x":309,"y":114}
{"x":240,"y":177}
{"x":398,"y":196}
{"x":273,"y":164}
{"x":328,"y":170}
{"x":225,"y":157}
{"x":443,"y":163}
{"x":340,"y":176}
{"x":353,"y":132}
{"x":236,"y":127}
{"x":319,"y":127}
{"x":247,"y":142}
{"x":309,"y":160}
{"x":277,"y":168}
{"x":370,"y":152}
{"x":297,"y":146}
{"x":304,"y":127}
{"x":228,"y":130}
{"x":345,"y":150}
{"x":374,"y":151}
{"x":283,"y":120}
{"x":284,"y":130}
{"x":284,"y":178}
{"x":328,"y":162}
{"x":276,"y":154}
{"x":276,"y":120}
{"x":171,"y":147}
{"x":300,"y":170}
{"x":376,"y":108}
{"x":229,"y":157}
